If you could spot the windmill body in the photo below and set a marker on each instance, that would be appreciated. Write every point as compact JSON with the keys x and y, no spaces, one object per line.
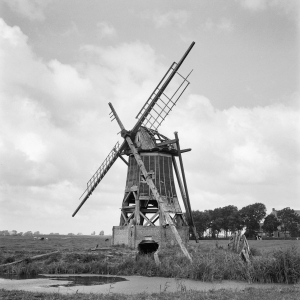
{"x":150,"y":210}
{"x":138,"y":203}
{"x":140,"y":210}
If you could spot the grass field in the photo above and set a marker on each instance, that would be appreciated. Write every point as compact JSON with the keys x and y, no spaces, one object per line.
{"x":54,"y":242}
{"x":272,"y":261}
{"x":80,"y":243}
{"x":290,"y":293}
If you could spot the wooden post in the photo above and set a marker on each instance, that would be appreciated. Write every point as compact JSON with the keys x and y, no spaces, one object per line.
{"x":182,"y":192}
{"x":185,"y":187}
{"x":137,"y":209}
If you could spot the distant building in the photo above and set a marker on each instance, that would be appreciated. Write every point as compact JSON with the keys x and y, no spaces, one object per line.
{"x":278,"y":233}
{"x":101,"y":232}
{"x":93,"y":233}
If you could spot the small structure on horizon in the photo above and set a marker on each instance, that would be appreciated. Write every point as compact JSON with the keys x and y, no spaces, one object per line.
{"x":101,"y":232}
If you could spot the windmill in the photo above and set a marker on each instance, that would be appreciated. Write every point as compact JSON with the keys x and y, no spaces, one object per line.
{"x":150,"y":207}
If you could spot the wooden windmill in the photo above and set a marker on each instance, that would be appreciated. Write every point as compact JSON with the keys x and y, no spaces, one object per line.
{"x":150,"y":207}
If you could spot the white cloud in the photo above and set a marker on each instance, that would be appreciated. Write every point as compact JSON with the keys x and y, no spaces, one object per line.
{"x":223,"y":25}
{"x":171,"y":18}
{"x":55,"y":129}
{"x":239,"y":155}
{"x":254,"y":5}
{"x":106,"y":30}
{"x":287,"y":7}
{"x":55,"y":132}
{"x":31,"y":9}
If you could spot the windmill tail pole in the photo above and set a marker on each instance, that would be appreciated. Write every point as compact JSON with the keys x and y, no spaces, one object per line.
{"x":186,"y":189}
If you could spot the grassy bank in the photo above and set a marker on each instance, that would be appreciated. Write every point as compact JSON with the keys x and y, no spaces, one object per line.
{"x":291,"y":293}
{"x":209,"y":264}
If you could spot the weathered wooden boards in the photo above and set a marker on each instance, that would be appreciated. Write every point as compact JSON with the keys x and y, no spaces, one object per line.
{"x":239,"y":244}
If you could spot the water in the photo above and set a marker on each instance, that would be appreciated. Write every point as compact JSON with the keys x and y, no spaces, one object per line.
{"x":72,"y":280}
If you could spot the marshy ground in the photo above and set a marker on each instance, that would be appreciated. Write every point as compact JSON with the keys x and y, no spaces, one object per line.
{"x":273,"y":261}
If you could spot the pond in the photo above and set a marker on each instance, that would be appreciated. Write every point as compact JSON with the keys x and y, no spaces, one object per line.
{"x":69,"y":280}
{"x":90,"y":283}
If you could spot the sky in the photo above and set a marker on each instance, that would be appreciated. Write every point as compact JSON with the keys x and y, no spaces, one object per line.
{"x":61,"y":63}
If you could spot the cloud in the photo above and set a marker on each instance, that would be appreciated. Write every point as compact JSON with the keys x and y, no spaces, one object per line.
{"x":55,"y":129}
{"x":254,"y":5}
{"x":106,"y":30}
{"x":287,"y":7}
{"x":31,"y":9}
{"x":172,"y":18}
{"x":240,"y":155}
{"x":223,"y":25}
{"x":55,"y":132}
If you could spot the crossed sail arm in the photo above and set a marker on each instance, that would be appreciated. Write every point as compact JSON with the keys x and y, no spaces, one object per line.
{"x":164,"y":103}
{"x":100,"y":173}
{"x":156,"y":108}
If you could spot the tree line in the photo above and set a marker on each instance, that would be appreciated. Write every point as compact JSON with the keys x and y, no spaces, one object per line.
{"x":229,"y":219}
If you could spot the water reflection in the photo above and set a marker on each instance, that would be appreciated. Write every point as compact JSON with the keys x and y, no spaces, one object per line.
{"x":73,"y":280}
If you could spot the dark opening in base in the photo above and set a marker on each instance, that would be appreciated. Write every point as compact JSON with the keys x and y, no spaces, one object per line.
{"x":146,"y":247}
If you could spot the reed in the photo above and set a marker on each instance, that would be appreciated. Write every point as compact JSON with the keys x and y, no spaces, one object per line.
{"x":278,"y":266}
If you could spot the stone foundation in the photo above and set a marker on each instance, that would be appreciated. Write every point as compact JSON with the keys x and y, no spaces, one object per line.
{"x":132,"y":235}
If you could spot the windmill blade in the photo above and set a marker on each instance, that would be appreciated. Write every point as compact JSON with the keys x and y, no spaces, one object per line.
{"x":100,"y":173}
{"x":159,"y":105}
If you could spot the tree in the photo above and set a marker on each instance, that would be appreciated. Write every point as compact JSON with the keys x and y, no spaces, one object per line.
{"x":290,"y":221}
{"x":229,"y":218}
{"x":201,"y":220}
{"x":270,"y":224}
{"x":235,"y":222}
{"x":251,"y":216}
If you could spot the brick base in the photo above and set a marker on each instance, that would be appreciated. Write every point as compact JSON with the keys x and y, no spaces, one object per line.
{"x":132,"y":235}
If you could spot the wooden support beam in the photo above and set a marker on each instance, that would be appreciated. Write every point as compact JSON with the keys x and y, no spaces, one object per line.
{"x":148,"y":210}
{"x":123,"y":159}
{"x":128,"y":219}
{"x":36,"y":257}
{"x":137,"y":209}
{"x":155,"y":216}
{"x":182,"y":192}
{"x":124,"y":217}
{"x":185,"y":188}
{"x":166,"y":143}
{"x":126,"y":197}
{"x":148,"y":221}
{"x":185,"y":150}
